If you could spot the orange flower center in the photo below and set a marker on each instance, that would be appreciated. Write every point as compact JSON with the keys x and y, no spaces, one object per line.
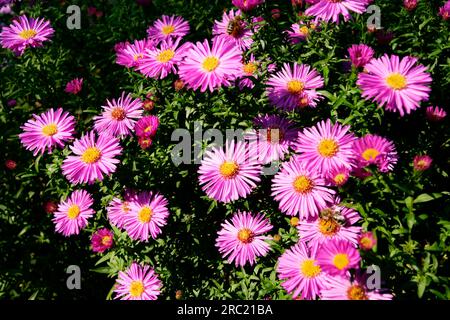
{"x":250,"y":68}
{"x":356,"y":292}
{"x":328,"y":227}
{"x":302,"y":184}
{"x":245,"y":235}
{"x":118,"y":113}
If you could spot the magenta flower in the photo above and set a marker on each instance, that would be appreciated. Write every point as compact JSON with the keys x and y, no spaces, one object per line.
{"x":118,"y":208}
{"x":73,"y":213}
{"x":397,"y":84}
{"x":338,"y":176}
{"x":367,"y":241}
{"x":47,"y":130}
{"x":132,"y":54}
{"x":25,"y":32}
{"x":146,"y":215}
{"x":247,"y":5}
{"x":242,"y":239}
{"x":161,"y":61}
{"x":326,"y":147}
{"x":336,"y":257}
{"x":272,"y":138}
{"x":294,"y":87}
{"x":435,"y":114}
{"x":303,"y":275}
{"x":147,"y":126}
{"x":208,"y":67}
{"x":360,"y":55}
{"x":298,"y":33}
{"x":102,"y":240}
{"x":74,"y":86}
{"x":444,"y":11}
{"x":422,"y":162}
{"x":334,"y":222}
{"x":373,"y":149}
{"x":167,"y":27}
{"x":228,"y":175}
{"x":93,"y":158}
{"x":330,"y":10}
{"x":234,"y":29}
{"x":249,"y":73}
{"x":300,"y":191}
{"x":139,"y":282}
{"x":119,"y":116}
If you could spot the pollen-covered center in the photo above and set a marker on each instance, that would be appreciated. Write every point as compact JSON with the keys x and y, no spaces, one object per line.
{"x":396,"y":81}
{"x":210,"y":64}
{"x":366,"y":242}
{"x":370,"y":154}
{"x":229,"y":169}
{"x":304,"y":30}
{"x":118,"y":113}
{"x":136,"y":288}
{"x":106,"y":240}
{"x":73,"y":212}
{"x":27,"y":34}
{"x":249,"y":68}
{"x":340,"y":178}
{"x":303,"y":184}
{"x":328,"y":148}
{"x":165,"y":56}
{"x":328,"y":227}
{"x":310,"y":269}
{"x":145,"y":214}
{"x":341,"y":261}
{"x":91,"y":155}
{"x":50,"y":130}
{"x":356,"y":292}
{"x":168,"y":29}
{"x":295,"y":86}
{"x":246,"y":235}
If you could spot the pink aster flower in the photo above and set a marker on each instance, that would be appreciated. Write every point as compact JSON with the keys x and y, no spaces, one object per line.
{"x":298,"y":33}
{"x":360,"y":55}
{"x":161,"y":61}
{"x":132,"y":54}
{"x":234,"y":29}
{"x":119,"y":116}
{"x":249,"y":73}
{"x":247,"y":5}
{"x":25,"y":32}
{"x":102,"y":240}
{"x":47,"y":130}
{"x":118,"y":208}
{"x":367,"y":241}
{"x":331,"y":9}
{"x":74,"y":86}
{"x":336,"y":257}
{"x":272,"y":139}
{"x":242,"y":239}
{"x":435,"y":114}
{"x":326,"y":147}
{"x":147,"y":214}
{"x":168,"y":27}
{"x":147,"y":126}
{"x":303,"y":276}
{"x":139,"y":282}
{"x":338,"y":176}
{"x":334,"y":222}
{"x":422,"y":162}
{"x":294,"y":87}
{"x":73,"y":213}
{"x":343,"y":288}
{"x":208,"y":67}
{"x":373,"y":149}
{"x":94,"y":158}
{"x":300,"y":191}
{"x":228,"y":175}
{"x":444,"y":11}
{"x":400,"y":85}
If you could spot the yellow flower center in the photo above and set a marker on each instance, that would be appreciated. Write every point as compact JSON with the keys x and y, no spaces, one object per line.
{"x":294,"y":221}
{"x":118,"y":113}
{"x":27,"y":34}
{"x":341,"y":261}
{"x":50,"y":130}
{"x":106,"y":240}
{"x":328,"y":148}
{"x":210,"y":64}
{"x":340,"y":178}
{"x":396,"y":81}
{"x":309,"y":268}
{"x":249,"y":68}
{"x":136,"y":57}
{"x":422,"y":163}
{"x":165,"y":56}
{"x":166,"y":30}
{"x":73,"y":212}
{"x":136,"y":288}
{"x":370,"y":154}
{"x":356,"y":292}
{"x":304,"y":30}
{"x":328,"y":227}
{"x":295,"y":86}
{"x":245,"y":235}
{"x":229,"y":169}
{"x":365,"y":242}
{"x":145,"y":214}
{"x":303,"y":184}
{"x":91,"y":155}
